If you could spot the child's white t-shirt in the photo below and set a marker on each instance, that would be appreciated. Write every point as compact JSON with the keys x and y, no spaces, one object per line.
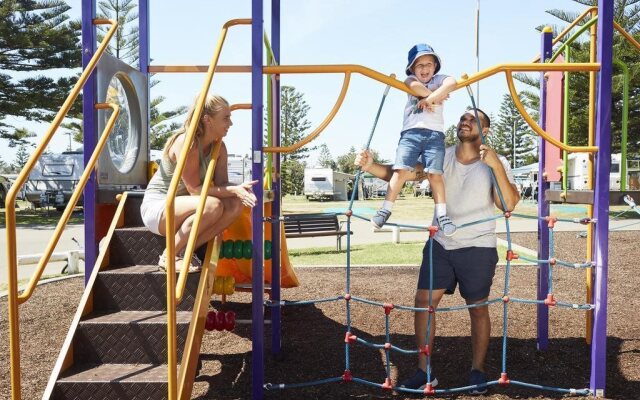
{"x":417,"y":118}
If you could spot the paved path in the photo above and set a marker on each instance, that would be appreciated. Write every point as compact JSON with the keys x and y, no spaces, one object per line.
{"x":33,"y":240}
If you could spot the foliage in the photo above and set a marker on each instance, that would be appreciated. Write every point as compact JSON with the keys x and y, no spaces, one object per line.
{"x":511,"y":123}
{"x":325,"y":160}
{"x":294,"y":122}
{"x":125,"y":45}
{"x":22,"y":156}
{"x":161,"y":124}
{"x":35,"y":36}
{"x":451,"y":136}
{"x":292,"y":176}
{"x":346,"y":162}
{"x":627,"y":15}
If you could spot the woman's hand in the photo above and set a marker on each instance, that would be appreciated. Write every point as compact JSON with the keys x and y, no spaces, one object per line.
{"x":245,"y":192}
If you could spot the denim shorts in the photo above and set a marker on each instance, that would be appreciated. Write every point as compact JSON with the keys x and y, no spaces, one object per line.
{"x":420,"y":145}
{"x":472,"y":268}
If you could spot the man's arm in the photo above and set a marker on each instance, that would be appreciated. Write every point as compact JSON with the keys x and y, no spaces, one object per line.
{"x":509,"y":191}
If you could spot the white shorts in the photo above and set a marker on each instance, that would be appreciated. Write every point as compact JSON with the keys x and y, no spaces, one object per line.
{"x":153,"y":205}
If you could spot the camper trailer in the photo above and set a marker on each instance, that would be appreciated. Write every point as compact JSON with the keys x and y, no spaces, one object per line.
{"x":326,"y":184}
{"x":238,"y":169}
{"x":53,"y":179}
{"x":577,"y":172}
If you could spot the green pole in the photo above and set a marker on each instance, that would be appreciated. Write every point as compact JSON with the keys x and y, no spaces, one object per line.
{"x":625,"y":123}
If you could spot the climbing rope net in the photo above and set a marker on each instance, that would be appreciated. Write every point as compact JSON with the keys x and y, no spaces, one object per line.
{"x":506,"y":299}
{"x":388,"y":347}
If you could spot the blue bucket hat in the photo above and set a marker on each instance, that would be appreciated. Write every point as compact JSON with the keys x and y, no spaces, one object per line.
{"x":418,"y":50}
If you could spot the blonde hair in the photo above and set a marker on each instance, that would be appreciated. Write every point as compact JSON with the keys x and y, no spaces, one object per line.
{"x":212,"y":105}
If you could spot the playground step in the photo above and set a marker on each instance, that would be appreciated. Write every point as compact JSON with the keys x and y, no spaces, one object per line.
{"x":124,"y":337}
{"x":138,"y":287}
{"x":113,"y":381}
{"x":135,"y":245}
{"x":132,"y":216}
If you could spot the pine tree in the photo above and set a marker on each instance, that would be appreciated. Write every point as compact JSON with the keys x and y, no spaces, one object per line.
{"x":125,"y":45}
{"x":294,"y":122}
{"x":22,"y":156}
{"x":325,"y":160}
{"x":451,"y":136}
{"x":35,"y":36}
{"x":346,"y":162}
{"x":512,"y":132}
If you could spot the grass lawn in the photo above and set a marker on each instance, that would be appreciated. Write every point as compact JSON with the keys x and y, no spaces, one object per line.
{"x":27,"y":216}
{"x":409,"y":208}
{"x":374,"y":254}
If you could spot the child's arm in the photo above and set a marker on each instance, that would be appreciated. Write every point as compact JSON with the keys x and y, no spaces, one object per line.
{"x":441,"y":93}
{"x":417,"y":87}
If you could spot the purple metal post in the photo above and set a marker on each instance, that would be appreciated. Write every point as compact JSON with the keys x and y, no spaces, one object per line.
{"x":276,"y":332}
{"x":601,"y":195}
{"x":257,"y":216}
{"x":89,"y":127}
{"x":543,"y":207}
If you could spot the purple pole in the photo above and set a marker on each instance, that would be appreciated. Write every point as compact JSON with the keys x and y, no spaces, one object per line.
{"x":543,"y":206}
{"x":89,"y":127}
{"x":276,"y":329}
{"x":601,"y":195}
{"x":257,"y":216}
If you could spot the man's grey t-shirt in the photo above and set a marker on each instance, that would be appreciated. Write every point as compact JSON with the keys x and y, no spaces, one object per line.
{"x":469,"y":198}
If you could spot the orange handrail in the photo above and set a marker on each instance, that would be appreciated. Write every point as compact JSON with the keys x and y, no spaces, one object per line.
{"x":320,"y":128}
{"x":10,"y":220}
{"x":170,"y":216}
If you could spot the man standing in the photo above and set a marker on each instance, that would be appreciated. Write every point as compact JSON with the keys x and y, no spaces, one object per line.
{"x":469,"y":258}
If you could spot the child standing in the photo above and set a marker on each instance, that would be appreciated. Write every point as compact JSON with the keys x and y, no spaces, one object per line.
{"x":422,"y":136}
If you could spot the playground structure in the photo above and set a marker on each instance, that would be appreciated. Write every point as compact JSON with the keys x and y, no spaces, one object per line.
{"x":103,"y":217}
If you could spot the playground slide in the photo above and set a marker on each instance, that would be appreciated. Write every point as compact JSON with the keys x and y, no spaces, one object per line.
{"x":236,"y":250}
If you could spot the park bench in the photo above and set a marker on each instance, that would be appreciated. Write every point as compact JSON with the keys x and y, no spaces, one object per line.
{"x":312,"y":225}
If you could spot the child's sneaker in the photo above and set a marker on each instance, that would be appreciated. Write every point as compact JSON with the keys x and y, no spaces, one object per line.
{"x":418,"y":381}
{"x":446,"y":226}
{"x":479,"y":379}
{"x":381,"y":217}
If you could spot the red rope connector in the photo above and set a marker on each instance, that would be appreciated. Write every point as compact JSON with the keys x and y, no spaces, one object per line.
{"x":347,"y":296}
{"x":347,"y":377}
{"x":504,"y":379}
{"x":551,"y":221}
{"x":431,"y":310}
{"x":553,"y":261}
{"x":550,"y":300}
{"x":507,"y":214}
{"x":511,"y":255}
{"x":387,"y":346}
{"x":432,"y":230}
{"x":429,"y":390}
{"x":348,"y":213}
{"x":387,"y":384}
{"x":585,"y":221}
{"x":505,"y":299}
{"x":425,"y":350}
{"x":387,"y":308}
{"x":349,"y":338}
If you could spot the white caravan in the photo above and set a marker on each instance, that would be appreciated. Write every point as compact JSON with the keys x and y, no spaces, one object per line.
{"x":53,"y":179}
{"x":326,"y":184}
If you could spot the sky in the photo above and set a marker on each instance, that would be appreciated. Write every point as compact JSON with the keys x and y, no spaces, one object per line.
{"x":374,"y":33}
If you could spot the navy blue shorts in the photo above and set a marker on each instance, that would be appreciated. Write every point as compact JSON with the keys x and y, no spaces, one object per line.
{"x":472,"y":268}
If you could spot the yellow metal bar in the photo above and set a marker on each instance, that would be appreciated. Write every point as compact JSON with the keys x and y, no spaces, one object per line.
{"x":10,"y":211}
{"x":197,"y":68}
{"x":172,"y":388}
{"x":193,"y":235}
{"x":626,"y":35}
{"x":591,"y":10}
{"x":243,"y":106}
{"x":336,"y":69}
{"x":590,"y":141}
{"x":536,"y":128}
{"x":75,"y":196}
{"x":319,"y":129}
{"x":526,"y":67}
